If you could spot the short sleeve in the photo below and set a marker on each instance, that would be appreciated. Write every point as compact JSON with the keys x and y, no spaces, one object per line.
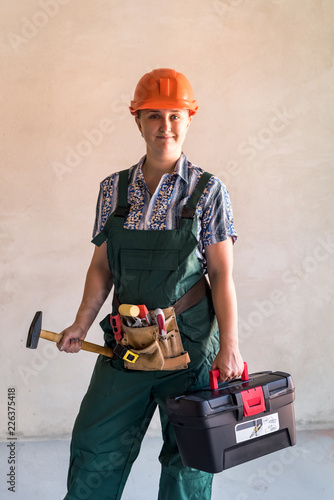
{"x":106,"y":202}
{"x":217,"y":214}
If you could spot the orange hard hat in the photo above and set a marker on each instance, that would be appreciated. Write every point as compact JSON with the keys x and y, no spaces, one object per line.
{"x":163,"y":89}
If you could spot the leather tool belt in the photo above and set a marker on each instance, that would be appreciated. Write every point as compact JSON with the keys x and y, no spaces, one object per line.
{"x":146,"y":350}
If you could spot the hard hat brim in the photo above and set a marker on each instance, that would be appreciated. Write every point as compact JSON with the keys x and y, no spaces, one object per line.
{"x":156,"y":104}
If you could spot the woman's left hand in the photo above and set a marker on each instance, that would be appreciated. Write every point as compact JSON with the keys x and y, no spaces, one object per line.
{"x":229,"y":363}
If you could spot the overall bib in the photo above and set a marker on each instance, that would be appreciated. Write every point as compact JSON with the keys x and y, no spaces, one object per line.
{"x":155,"y":268}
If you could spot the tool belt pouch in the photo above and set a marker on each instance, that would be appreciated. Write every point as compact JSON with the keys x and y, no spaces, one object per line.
{"x":155,"y":352}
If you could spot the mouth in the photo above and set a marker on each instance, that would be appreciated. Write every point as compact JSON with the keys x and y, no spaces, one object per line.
{"x":165,"y":137}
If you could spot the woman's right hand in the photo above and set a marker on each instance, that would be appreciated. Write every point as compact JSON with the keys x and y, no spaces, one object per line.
{"x":72,"y":337}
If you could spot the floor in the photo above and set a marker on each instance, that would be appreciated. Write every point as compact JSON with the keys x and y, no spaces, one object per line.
{"x":304,"y":471}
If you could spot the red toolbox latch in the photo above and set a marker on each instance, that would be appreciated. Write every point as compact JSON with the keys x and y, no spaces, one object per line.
{"x":253,"y":400}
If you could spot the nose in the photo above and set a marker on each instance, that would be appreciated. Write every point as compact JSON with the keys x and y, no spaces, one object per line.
{"x":165,"y":124}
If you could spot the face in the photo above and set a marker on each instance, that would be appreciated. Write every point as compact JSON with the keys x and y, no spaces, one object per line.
{"x":164,"y":130}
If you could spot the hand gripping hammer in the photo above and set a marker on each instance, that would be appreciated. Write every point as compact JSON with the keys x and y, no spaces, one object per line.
{"x":35,"y":332}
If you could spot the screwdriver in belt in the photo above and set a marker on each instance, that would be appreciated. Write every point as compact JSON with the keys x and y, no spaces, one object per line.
{"x":160,"y":321}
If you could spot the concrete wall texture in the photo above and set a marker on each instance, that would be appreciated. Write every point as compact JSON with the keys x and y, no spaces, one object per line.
{"x":262,"y":72}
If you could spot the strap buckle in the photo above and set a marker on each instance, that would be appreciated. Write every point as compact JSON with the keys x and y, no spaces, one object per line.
{"x":122,"y":211}
{"x":125,"y":353}
{"x":188,"y":213}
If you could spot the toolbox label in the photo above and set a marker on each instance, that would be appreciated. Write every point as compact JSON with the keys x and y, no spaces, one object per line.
{"x":257,"y":427}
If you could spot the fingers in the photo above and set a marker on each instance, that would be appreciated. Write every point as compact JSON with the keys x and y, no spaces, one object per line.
{"x":230,"y":364}
{"x":71,"y":341}
{"x":227,"y":376}
{"x":72,"y":346}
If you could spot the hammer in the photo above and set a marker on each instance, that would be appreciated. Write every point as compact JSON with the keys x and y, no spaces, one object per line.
{"x":35,"y":332}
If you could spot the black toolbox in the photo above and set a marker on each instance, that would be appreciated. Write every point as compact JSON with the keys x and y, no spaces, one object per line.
{"x":218,"y":428}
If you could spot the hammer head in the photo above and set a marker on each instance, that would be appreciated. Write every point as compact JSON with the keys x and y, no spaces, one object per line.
{"x":34,"y":331}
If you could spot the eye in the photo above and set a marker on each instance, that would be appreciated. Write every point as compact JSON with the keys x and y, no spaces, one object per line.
{"x":153,"y":116}
{"x":175,"y":117}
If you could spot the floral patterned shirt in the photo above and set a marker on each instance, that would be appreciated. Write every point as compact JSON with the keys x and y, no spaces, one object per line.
{"x":162,"y":209}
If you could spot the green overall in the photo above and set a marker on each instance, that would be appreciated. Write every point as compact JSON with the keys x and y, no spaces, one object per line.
{"x":154,"y":268}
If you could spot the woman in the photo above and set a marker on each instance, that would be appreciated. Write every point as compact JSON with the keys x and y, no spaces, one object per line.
{"x":160,"y":227}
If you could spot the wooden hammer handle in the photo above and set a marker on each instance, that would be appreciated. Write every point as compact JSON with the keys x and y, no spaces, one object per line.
{"x":86,"y":346}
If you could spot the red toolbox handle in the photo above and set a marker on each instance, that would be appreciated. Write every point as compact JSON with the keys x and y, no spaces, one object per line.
{"x":214,"y":376}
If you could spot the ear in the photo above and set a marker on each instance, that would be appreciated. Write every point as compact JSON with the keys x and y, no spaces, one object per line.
{"x":138,"y":124}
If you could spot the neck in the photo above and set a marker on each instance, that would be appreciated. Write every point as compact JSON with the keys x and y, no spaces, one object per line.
{"x":154,"y":169}
{"x":160,"y":165}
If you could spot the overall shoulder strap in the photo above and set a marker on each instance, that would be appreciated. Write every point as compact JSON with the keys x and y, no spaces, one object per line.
{"x":188,"y":211}
{"x":122,"y":208}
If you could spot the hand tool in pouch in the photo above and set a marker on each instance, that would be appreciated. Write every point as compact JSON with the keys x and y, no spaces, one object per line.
{"x":130,"y":314}
{"x":116,"y":326}
{"x":160,"y":321}
{"x":144,"y":314}
{"x":129,"y":310}
{"x":35,"y":332}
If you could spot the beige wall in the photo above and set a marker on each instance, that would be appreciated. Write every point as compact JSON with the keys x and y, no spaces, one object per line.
{"x":262,"y":71}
